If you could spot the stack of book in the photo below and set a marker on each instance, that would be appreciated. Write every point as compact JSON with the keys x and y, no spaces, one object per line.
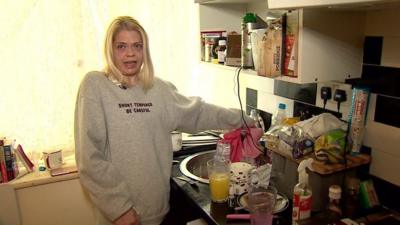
{"x":9,"y":161}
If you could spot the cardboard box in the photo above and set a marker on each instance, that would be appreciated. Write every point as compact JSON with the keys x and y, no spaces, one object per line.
{"x":233,"y":50}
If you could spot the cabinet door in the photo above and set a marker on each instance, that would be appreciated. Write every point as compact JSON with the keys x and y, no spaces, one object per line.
{"x":329,"y":45}
{"x":288,"y":4}
{"x":61,"y":203}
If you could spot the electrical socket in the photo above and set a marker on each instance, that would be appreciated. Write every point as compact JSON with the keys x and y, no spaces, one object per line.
{"x":332,"y":104}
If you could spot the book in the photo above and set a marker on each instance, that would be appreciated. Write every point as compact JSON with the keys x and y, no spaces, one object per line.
{"x":3,"y":171}
{"x":24,"y":158}
{"x":63,"y":170}
{"x":7,"y":161}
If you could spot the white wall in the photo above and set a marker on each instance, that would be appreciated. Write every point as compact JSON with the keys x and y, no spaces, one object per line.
{"x":384,"y":139}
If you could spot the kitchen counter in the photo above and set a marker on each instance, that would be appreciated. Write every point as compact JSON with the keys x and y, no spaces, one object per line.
{"x":44,"y":177}
{"x":213,"y":213}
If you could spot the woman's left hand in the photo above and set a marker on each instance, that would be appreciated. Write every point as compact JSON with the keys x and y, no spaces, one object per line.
{"x":130,"y":217}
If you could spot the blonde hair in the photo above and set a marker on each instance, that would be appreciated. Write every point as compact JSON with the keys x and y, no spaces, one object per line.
{"x":146,"y":73}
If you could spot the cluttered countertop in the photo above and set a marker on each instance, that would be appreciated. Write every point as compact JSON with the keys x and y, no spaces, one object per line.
{"x":330,"y":167}
{"x":67,"y":171}
{"x":198,"y":193}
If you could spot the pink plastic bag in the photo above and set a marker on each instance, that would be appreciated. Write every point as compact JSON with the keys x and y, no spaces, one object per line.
{"x":243,"y":143}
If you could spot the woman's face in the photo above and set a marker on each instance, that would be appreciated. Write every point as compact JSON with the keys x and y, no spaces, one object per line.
{"x":128,"y":52}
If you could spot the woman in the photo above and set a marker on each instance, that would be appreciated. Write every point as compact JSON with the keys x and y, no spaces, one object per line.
{"x":123,"y":120}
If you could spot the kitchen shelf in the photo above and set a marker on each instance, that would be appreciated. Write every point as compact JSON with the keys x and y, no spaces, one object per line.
{"x":227,"y":1}
{"x":321,"y":168}
{"x":333,"y":4}
{"x":326,"y":50}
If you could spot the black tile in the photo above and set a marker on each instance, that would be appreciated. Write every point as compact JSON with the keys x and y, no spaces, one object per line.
{"x":372,"y":50}
{"x":306,"y":111}
{"x":379,"y":79}
{"x":301,"y":92}
{"x":387,"y":110}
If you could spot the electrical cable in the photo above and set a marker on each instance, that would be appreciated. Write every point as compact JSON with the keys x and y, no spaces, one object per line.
{"x":237,"y":73}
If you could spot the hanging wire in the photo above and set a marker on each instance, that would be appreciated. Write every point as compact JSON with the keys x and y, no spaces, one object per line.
{"x":237,"y":73}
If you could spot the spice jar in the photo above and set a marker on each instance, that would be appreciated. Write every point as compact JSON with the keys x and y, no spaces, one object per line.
{"x":221,"y":51}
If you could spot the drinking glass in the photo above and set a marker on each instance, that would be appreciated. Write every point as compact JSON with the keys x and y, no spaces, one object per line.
{"x":218,"y":176}
{"x":261,"y":202}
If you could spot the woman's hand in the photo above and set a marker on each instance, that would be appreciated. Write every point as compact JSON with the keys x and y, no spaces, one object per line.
{"x":130,"y":217}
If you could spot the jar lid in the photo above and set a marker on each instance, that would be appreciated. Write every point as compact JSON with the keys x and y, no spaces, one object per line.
{"x":222,"y":42}
{"x":335,"y":192}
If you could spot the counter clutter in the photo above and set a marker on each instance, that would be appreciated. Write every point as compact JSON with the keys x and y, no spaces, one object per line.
{"x":327,"y":164}
{"x":191,"y":199}
{"x":198,"y":198}
{"x":68,"y":171}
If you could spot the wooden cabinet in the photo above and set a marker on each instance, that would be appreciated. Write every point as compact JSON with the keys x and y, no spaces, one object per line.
{"x":329,"y":42}
{"x":61,"y":203}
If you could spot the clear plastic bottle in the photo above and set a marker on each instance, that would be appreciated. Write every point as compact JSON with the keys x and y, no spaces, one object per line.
{"x":351,"y":203}
{"x":302,"y":194}
{"x":223,"y":151}
{"x":256,"y":117}
{"x":281,"y":115}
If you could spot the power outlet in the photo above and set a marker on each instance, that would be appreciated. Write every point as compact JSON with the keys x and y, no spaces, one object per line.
{"x":331,"y":104}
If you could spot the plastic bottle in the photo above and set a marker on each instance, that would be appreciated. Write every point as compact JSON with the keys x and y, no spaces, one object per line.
{"x":223,"y":151}
{"x":351,"y":203}
{"x":302,"y":193}
{"x":281,"y":114}
{"x":334,"y":209}
{"x":256,"y":117}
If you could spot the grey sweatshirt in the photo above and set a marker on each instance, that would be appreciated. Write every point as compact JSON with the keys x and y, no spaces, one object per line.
{"x":123,"y":143}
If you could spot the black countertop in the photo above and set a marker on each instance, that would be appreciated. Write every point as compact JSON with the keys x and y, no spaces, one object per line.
{"x":213,"y":213}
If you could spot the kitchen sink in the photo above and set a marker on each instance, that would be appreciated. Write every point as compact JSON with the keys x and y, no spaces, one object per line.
{"x":195,"y":166}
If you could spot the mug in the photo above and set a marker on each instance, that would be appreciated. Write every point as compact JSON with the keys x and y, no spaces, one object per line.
{"x":53,"y":160}
{"x":239,"y":177}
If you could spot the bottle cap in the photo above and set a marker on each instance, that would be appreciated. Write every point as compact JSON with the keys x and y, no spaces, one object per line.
{"x":222,"y":42}
{"x":335,"y":192}
{"x":282,"y":106}
{"x":250,"y":18}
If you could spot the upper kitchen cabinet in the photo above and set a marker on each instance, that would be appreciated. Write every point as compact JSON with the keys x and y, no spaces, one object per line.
{"x":328,"y":43}
{"x":227,"y":14}
{"x":339,"y":4}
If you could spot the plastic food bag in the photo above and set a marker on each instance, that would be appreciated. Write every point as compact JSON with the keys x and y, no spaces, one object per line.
{"x":329,"y":148}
